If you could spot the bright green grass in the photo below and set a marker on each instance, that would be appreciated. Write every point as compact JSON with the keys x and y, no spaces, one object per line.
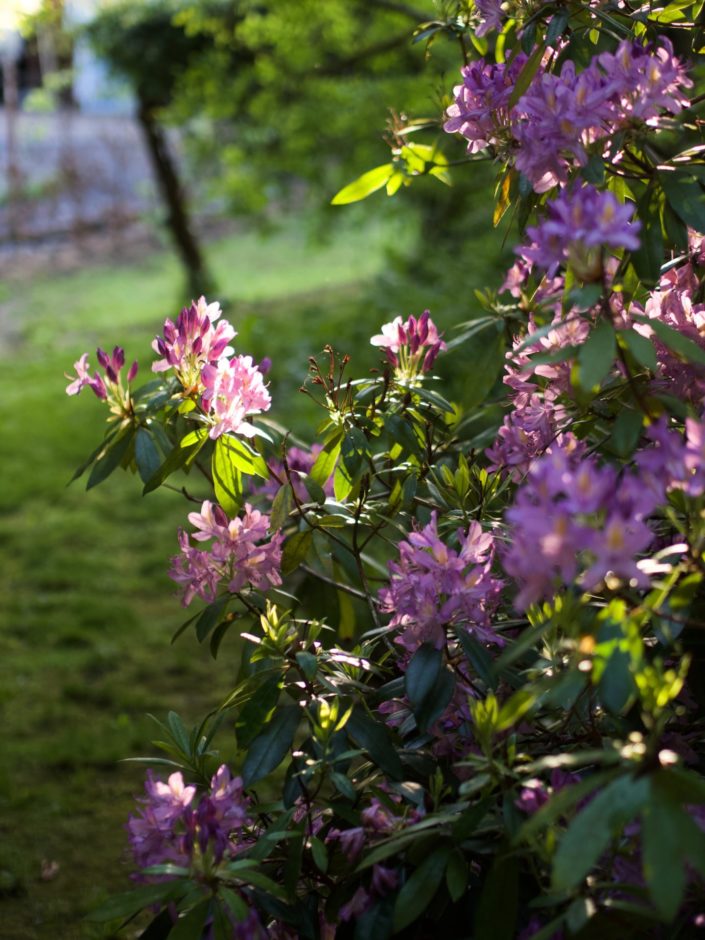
{"x":86,"y":607}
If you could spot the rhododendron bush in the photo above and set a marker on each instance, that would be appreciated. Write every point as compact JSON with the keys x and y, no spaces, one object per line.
{"x":470,"y":695}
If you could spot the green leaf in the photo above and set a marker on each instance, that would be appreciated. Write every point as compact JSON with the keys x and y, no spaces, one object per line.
{"x":665,"y":831}
{"x":246,"y":458}
{"x":596,"y":356}
{"x":320,"y":854}
{"x":626,"y":431}
{"x":270,"y":747}
{"x":178,"y":457}
{"x":295,"y":550}
{"x":590,"y":833}
{"x":257,"y":710}
{"x":110,"y":460}
{"x":417,"y":893}
{"x":325,"y":461}
{"x":281,"y":507}
{"x":516,"y":707}
{"x":675,"y":340}
{"x":131,"y":902}
{"x":685,"y":196}
{"x":497,"y":911}
{"x":354,"y":451}
{"x":617,"y":684}
{"x":457,"y":874}
{"x":210,"y":617}
{"x":227,"y":481}
{"x":373,"y":736}
{"x":640,"y":347}
{"x":146,"y":455}
{"x":524,"y":78}
{"x":364,"y":185}
{"x":190,"y":926}
{"x":483,"y":365}
{"x":429,"y":686}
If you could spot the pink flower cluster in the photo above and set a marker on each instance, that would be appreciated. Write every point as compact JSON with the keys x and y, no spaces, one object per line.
{"x":433,"y":586}
{"x":562,"y":115}
{"x":197,"y":350}
{"x":574,"y":519}
{"x":173,"y":827}
{"x":241,"y":553}
{"x":411,"y":346}
{"x":108,"y":387}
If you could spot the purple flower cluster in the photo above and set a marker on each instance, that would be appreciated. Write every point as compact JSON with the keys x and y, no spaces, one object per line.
{"x":433,"y":586}
{"x":241,"y":553}
{"x":193,"y":342}
{"x":480,"y":111}
{"x":172,"y":826}
{"x":197,"y":349}
{"x":576,"y":227}
{"x":234,"y":389}
{"x":674,"y":461}
{"x":299,"y":462}
{"x":554,"y":124}
{"x":410,"y":346}
{"x":574,"y":520}
{"x":108,"y":387}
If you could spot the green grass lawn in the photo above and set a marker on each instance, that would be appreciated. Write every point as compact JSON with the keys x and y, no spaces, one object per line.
{"x":86,"y":609}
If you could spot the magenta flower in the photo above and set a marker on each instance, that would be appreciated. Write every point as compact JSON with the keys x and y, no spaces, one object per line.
{"x":411,"y":346}
{"x":193,"y":342}
{"x":433,"y":586}
{"x":241,"y":553}
{"x":108,"y":387}
{"x":172,"y":822}
{"x":480,"y":111}
{"x":234,"y":389}
{"x":579,"y":223}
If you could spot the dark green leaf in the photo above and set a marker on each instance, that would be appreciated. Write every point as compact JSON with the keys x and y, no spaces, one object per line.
{"x":417,"y":893}
{"x":257,"y":710}
{"x":640,"y":347}
{"x":497,"y":911}
{"x":626,"y":431}
{"x":295,"y":550}
{"x":524,"y":78}
{"x":665,"y":833}
{"x":190,"y":926}
{"x":483,"y":366}
{"x":373,"y":736}
{"x":270,"y":747}
{"x":146,"y":455}
{"x":617,"y":684}
{"x":281,"y":507}
{"x":377,"y":923}
{"x":457,"y":875}
{"x":178,"y":457}
{"x":131,"y":902}
{"x":590,"y":833}
{"x":685,"y":196}
{"x":211,"y":616}
{"x":110,"y":460}
{"x":675,"y":340}
{"x":596,"y":356}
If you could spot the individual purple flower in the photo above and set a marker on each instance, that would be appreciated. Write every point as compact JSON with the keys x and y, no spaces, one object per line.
{"x":234,"y":389}
{"x":491,"y":16}
{"x":579,"y":223}
{"x":241,"y":553}
{"x":433,"y":586}
{"x":411,"y":346}
{"x":193,"y":342}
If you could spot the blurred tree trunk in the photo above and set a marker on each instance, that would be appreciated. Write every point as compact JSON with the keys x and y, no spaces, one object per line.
{"x":178,"y":221}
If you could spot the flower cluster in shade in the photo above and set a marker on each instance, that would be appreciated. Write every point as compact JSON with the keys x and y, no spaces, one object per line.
{"x":377,"y":820}
{"x":576,"y":521}
{"x":433,"y":587}
{"x":411,"y":346}
{"x":577,"y":226}
{"x":241,"y":553}
{"x":197,"y":349}
{"x":174,"y":826}
{"x":557,"y":123}
{"x":108,"y":386}
{"x":673,"y":461}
